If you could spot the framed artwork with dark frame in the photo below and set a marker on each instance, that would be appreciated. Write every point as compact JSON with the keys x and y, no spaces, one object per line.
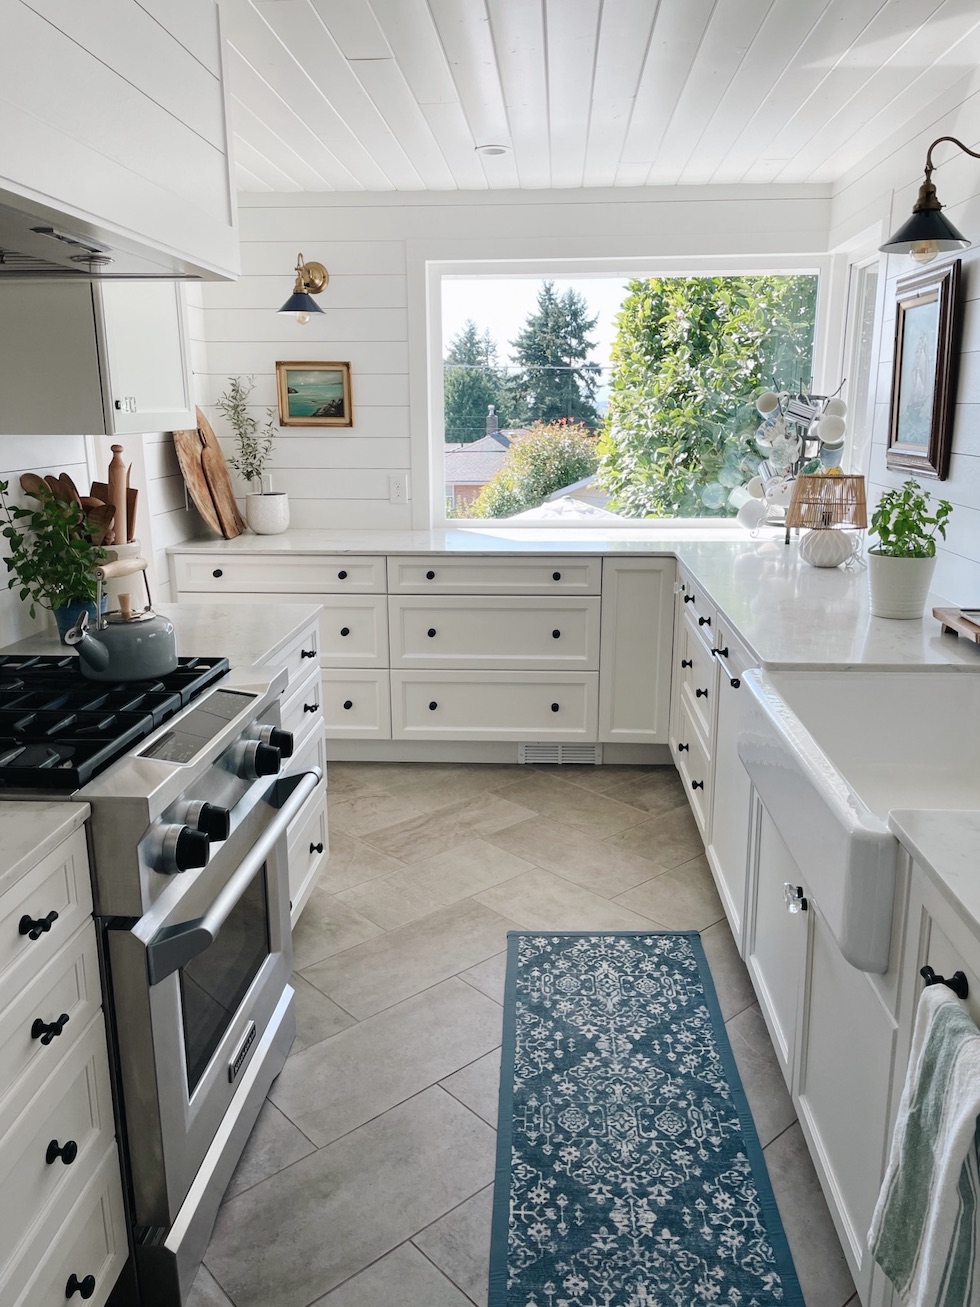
{"x":314,"y":394}
{"x":927,"y":327}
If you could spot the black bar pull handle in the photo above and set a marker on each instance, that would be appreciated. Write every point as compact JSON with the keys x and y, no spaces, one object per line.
{"x":957,"y":982}
{"x":45,"y":1031}
{"x":35,"y":927}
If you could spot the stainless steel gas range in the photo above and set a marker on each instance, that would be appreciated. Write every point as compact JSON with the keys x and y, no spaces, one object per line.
{"x":190,"y":804}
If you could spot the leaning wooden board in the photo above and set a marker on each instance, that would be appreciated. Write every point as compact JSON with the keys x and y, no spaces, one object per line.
{"x":206,"y":477}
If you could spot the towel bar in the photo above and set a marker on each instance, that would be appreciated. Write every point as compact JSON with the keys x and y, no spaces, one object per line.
{"x":957,"y":982}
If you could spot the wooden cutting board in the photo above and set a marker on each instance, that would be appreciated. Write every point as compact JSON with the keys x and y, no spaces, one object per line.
{"x":189,"y":449}
{"x":219,"y":480}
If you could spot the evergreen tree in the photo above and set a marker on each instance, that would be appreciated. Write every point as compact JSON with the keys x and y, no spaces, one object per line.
{"x":553,"y":380}
{"x":472,"y":382}
{"x":690,"y":356}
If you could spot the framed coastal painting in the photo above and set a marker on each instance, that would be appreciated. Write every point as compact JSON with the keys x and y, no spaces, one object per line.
{"x":314,"y":394}
{"x":927,"y":326}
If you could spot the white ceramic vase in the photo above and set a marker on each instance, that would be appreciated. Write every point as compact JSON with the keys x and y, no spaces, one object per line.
{"x":268,"y":514}
{"x":899,"y":585}
{"x":828,"y":548}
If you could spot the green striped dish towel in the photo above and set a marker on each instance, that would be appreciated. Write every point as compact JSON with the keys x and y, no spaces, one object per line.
{"x":925,"y":1232}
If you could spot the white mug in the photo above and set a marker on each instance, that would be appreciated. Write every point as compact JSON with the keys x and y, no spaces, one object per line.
{"x":767,"y":402}
{"x":752,"y":514}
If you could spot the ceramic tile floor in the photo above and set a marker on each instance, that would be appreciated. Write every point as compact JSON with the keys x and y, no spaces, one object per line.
{"x":367,"y":1180}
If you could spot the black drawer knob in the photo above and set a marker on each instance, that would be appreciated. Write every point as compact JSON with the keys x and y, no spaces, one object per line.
{"x":84,"y":1288}
{"x":431,"y":632}
{"x":217,"y":573}
{"x":683,"y":748}
{"x":687,"y":662}
{"x":345,"y":630}
{"x":35,"y":927}
{"x":556,"y":635}
{"x":697,"y":785}
{"x":554,"y":707}
{"x":735,"y":682}
{"x":67,"y":1151}
{"x":704,"y":621}
{"x":689,"y":599}
{"x":556,"y":576}
{"x":316,"y":848}
{"x":430,"y":576}
{"x":310,"y":707}
{"x":311,"y":653}
{"x":433,"y":706}
{"x":722,"y":653}
{"x":45,"y":1032}
{"x":701,"y":694}
{"x":342,"y":575}
{"x":348,"y":704}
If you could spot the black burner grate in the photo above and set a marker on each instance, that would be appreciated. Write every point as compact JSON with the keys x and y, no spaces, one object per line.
{"x":58,"y":729}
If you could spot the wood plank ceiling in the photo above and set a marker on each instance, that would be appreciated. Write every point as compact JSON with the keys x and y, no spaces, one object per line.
{"x":398,"y":95}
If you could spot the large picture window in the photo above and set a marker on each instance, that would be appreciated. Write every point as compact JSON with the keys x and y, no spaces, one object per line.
{"x":605,"y":398}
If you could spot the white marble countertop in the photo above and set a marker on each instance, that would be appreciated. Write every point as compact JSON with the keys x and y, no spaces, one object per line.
{"x":944,"y":844}
{"x":790,"y":615}
{"x":30,"y":829}
{"x":239,"y":632}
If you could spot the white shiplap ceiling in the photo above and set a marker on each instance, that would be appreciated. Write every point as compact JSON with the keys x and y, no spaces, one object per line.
{"x":396,"y":95}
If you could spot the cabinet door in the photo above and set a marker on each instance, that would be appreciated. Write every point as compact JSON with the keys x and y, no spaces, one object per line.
{"x":145,"y":379}
{"x":635,"y":647}
{"x":843,"y":1083}
{"x":731,"y":790}
{"x":775,"y":941}
{"x":493,"y":705}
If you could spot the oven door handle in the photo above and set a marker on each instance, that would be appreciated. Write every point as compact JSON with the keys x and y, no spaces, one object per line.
{"x":174,"y":946}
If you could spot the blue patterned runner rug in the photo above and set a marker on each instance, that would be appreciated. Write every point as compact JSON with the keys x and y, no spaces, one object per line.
{"x":629,"y":1172}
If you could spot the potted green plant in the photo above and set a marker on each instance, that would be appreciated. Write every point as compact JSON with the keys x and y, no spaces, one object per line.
{"x":51,"y":557}
{"x":266,"y":510}
{"x":901,"y":564}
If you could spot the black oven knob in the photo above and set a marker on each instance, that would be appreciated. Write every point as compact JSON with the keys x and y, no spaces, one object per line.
{"x":276,"y":736}
{"x":214,"y":822}
{"x":191,"y":849}
{"x":258,"y":759}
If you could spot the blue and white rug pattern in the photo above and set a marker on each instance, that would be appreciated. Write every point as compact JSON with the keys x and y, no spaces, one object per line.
{"x":629,"y":1172}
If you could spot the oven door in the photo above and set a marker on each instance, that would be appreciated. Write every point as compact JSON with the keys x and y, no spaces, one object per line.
{"x":194,"y":985}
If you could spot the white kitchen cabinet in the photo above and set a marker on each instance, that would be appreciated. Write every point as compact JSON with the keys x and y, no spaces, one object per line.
{"x":61,"y":1208}
{"x":731,"y":790}
{"x":453,"y":574}
{"x":635,"y":648}
{"x":446,"y":705}
{"x":93,"y":358}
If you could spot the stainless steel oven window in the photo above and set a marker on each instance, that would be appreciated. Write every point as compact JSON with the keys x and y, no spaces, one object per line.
{"x":213,"y":985}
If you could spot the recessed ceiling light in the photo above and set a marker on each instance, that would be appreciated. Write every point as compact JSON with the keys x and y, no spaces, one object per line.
{"x":493,"y":149}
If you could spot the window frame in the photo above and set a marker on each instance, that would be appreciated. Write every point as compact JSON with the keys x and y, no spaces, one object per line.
{"x":435,"y":270}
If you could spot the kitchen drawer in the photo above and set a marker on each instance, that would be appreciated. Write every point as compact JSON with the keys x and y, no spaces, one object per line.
{"x":494,"y":705}
{"x":312,"y":752}
{"x":73,"y":1106}
{"x":694,"y":767}
{"x":354,"y":631}
{"x":59,"y":884}
{"x":356,"y":704}
{"x":90,"y":1241}
{"x":695,"y":669}
{"x":298,"y":655}
{"x":277,"y":573}
{"x":300,"y":709}
{"x":698,"y":609}
{"x":455,"y":575}
{"x":519,"y":633}
{"x":308,"y":851}
{"x":69,"y":984}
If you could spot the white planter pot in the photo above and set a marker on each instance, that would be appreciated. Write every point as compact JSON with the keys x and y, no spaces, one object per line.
{"x":899,"y":585}
{"x":268,"y":514}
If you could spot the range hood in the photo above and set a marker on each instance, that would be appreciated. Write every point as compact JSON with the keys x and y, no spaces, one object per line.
{"x":37,"y":242}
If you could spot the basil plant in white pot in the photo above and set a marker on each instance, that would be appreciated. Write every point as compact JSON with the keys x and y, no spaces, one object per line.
{"x":266,"y":510}
{"x":901,"y":564}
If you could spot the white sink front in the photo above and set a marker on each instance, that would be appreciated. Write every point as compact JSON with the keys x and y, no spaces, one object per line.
{"x":832,"y":753}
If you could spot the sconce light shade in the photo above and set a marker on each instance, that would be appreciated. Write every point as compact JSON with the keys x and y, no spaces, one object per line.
{"x":927,"y":233}
{"x":311,"y":279}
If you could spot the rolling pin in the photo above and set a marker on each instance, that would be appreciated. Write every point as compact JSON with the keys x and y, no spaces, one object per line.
{"x":118,"y":477}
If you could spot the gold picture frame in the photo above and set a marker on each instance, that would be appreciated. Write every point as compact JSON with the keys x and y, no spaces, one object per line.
{"x":314,"y":394}
{"x":927,"y":327}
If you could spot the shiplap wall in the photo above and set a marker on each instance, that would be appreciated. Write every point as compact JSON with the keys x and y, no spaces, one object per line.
{"x":886,"y":189}
{"x":374,"y":317}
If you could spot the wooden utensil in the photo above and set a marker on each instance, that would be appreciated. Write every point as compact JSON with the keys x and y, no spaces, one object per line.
{"x":219,"y":480}
{"x":32,"y":484}
{"x":189,"y":449}
{"x":118,"y":478}
{"x":100,"y":490}
{"x":56,"y":488}
{"x":132,"y":497}
{"x":70,"y":490}
{"x":100,"y":521}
